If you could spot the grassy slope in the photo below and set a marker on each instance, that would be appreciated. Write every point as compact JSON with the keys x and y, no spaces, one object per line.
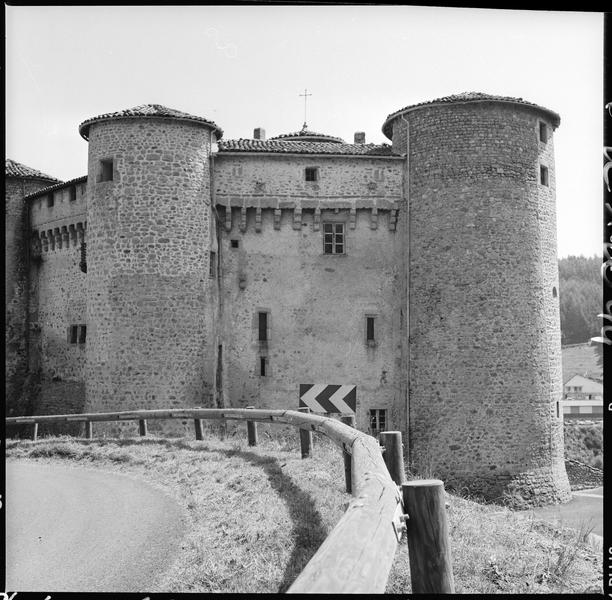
{"x":259,"y":514}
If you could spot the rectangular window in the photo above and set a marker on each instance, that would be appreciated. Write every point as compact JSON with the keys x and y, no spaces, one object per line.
{"x":73,"y":334}
{"x":378,"y":420}
{"x":235,"y":243}
{"x":50,"y":200}
{"x":370,"y":329}
{"x":73,"y":193}
{"x":333,"y":238}
{"x":212,"y":270}
{"x":263,"y":366}
{"x":543,"y":132}
{"x":311,"y":174}
{"x":82,"y":334}
{"x":544,"y":175}
{"x":262,"y":326}
{"x":106,"y":170}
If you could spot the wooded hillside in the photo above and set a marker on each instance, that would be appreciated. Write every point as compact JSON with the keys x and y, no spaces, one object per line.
{"x":580,"y":298}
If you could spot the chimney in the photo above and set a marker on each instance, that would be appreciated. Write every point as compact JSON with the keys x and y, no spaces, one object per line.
{"x":360,"y":137}
{"x":259,"y":133}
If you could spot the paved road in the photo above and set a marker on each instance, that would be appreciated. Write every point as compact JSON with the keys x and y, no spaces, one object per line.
{"x":78,"y":530}
{"x":584,"y":510}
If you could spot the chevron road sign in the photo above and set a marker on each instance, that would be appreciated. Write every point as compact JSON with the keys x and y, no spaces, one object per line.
{"x":325,"y":398}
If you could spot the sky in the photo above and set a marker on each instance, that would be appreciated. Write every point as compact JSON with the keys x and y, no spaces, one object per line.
{"x":245,"y":67}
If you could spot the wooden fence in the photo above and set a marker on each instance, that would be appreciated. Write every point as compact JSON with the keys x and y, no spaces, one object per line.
{"x":357,"y":555}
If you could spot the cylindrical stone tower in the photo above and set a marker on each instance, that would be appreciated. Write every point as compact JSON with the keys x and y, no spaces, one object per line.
{"x":484,"y":333}
{"x":20,"y":181}
{"x":148,"y":252}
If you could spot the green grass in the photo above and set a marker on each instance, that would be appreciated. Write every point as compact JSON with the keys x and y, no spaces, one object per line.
{"x":257,"y":515}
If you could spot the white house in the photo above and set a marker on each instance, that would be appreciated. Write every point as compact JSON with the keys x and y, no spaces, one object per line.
{"x":582,"y":397}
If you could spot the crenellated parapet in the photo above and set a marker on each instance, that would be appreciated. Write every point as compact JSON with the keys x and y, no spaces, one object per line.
{"x":59,"y":204}
{"x":58,"y":238}
{"x":240,"y":212}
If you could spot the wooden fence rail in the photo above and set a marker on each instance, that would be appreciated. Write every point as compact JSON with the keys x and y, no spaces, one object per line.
{"x":357,"y":555}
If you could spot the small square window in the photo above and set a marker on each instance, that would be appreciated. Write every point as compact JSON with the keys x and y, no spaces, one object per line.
{"x":378,"y":420}
{"x":543,"y":132}
{"x":235,"y":243}
{"x":333,"y":238}
{"x":106,"y":170}
{"x":311,"y":174}
{"x":544,"y":175}
{"x":50,"y":200}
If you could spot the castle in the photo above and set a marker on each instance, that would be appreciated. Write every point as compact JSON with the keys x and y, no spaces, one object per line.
{"x":186,"y":270}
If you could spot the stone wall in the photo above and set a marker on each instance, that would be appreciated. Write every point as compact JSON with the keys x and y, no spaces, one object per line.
{"x":58,"y":221}
{"x":317,"y":306}
{"x":278,"y":177}
{"x":485,"y":363}
{"x":316,"y":303}
{"x":149,"y":296}
{"x":58,"y":303}
{"x":17,"y":286}
{"x":583,"y":476}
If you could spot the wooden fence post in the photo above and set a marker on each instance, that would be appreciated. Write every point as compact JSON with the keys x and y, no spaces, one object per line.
{"x":427,"y":532}
{"x":35,"y":432}
{"x":252,"y":430}
{"x":305,"y":437}
{"x":198,"y":429}
{"x":88,"y":430}
{"x":348,"y":467}
{"x":393,"y":455}
{"x":142,"y":426}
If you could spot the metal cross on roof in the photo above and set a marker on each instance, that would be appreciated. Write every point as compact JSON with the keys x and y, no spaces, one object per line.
{"x":305,"y":94}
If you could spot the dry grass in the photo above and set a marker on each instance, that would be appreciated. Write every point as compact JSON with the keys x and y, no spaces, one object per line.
{"x":257,"y":515}
{"x":496,"y":550}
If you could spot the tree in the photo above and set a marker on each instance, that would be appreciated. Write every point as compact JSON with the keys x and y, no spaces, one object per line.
{"x":580,"y":298}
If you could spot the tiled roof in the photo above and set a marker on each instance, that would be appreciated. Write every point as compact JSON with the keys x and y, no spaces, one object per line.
{"x":305,"y":135}
{"x":15,"y":169}
{"x":147,"y":110}
{"x":468,"y":97}
{"x":293,"y":147}
{"x":57,"y":186}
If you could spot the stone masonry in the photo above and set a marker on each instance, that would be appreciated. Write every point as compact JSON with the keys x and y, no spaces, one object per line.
{"x":484,"y":341}
{"x":439,"y":301}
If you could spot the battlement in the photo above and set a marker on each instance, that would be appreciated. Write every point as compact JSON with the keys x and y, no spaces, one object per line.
{"x":305,"y":213}
{"x":58,"y":204}
{"x":58,"y":238}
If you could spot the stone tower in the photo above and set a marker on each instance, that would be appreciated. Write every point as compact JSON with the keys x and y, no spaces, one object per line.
{"x":149,"y":296}
{"x":484,"y":335}
{"x":20,"y":181}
